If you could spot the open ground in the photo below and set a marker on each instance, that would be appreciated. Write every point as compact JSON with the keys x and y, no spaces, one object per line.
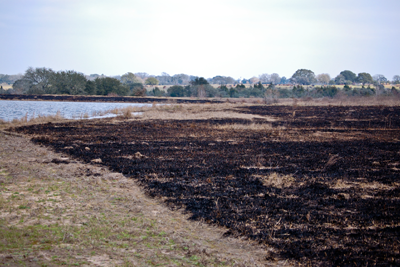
{"x":314,"y":184}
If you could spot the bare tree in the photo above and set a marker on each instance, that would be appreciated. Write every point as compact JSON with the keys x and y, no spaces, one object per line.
{"x":275,"y":78}
{"x":151,"y":81}
{"x":181,"y":79}
{"x":254,"y":80}
{"x":142,"y":75}
{"x":38,"y":80}
{"x":264,"y":78}
{"x":380,"y":78}
{"x":323,"y":78}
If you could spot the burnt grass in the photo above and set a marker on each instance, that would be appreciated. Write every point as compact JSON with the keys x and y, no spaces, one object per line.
{"x":216,"y":175}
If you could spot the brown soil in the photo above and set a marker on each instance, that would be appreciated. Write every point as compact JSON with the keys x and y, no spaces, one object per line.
{"x":319,"y":185}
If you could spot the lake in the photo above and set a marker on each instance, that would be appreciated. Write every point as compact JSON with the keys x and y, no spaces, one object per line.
{"x":10,"y":110}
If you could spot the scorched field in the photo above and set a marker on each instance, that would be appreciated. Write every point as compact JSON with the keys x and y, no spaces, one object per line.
{"x":316,"y":184}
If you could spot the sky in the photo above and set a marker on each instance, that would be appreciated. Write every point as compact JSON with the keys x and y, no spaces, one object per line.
{"x":237,"y":38}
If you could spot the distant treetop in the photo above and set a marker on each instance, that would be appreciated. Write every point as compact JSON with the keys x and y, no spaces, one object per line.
{"x":199,"y":81}
{"x":304,"y":77}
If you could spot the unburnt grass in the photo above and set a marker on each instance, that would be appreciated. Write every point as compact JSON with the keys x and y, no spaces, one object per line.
{"x":59,"y":211}
{"x":313,"y":184}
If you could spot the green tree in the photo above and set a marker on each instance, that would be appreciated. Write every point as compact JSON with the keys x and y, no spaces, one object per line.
{"x":304,"y":77}
{"x":233,"y":92}
{"x":151,"y":81}
{"x":157,"y":92}
{"x":129,"y":78}
{"x":283,"y":80}
{"x":68,"y":82}
{"x":259,"y":85}
{"x":349,"y":75}
{"x":396,"y":79}
{"x":222,"y":80}
{"x":105,"y":86}
{"x":90,"y":88}
{"x":176,"y":91}
{"x":298,"y":91}
{"x":284,"y":93}
{"x":199,"y":81}
{"x":340,"y":79}
{"x":364,"y":78}
{"x":199,"y":84}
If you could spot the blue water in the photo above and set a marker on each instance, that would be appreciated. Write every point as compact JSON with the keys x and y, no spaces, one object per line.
{"x":10,"y":110}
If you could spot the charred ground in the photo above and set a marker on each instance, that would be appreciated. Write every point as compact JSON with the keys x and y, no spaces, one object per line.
{"x":318,"y":184}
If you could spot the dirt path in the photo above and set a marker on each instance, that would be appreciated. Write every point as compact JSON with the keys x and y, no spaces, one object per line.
{"x":58,"y":211}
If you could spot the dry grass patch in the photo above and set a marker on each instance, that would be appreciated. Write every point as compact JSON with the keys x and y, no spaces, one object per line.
{"x":276,"y":180}
{"x":245,"y":127}
{"x":342,"y":184}
{"x":25,"y":120}
{"x":77,"y":214}
{"x":194,"y":112}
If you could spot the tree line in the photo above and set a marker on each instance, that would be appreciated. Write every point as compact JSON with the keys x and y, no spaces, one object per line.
{"x":271,"y":91}
{"x":47,"y":81}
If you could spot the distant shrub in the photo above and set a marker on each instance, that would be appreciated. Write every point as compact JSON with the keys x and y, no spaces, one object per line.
{"x":156,"y":92}
{"x":233,"y":92}
{"x":367,"y":91}
{"x":394,"y":91}
{"x":298,"y":91}
{"x":210,"y":90}
{"x":35,"y":91}
{"x":3,"y":92}
{"x":176,"y":91}
{"x":137,"y":89}
{"x":284,"y":93}
{"x":107,"y":85}
{"x":329,"y":91}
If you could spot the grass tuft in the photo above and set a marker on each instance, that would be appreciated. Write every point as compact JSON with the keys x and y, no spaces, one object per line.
{"x":276,"y":180}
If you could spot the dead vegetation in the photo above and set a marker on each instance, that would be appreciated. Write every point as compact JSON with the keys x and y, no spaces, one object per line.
{"x":314,"y":183}
{"x":58,"y":211}
{"x":25,"y":120}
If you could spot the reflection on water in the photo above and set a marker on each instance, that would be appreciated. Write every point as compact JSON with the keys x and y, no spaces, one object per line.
{"x":10,"y":110}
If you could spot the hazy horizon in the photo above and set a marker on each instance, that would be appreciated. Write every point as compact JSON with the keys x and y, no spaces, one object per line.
{"x":233,"y":38}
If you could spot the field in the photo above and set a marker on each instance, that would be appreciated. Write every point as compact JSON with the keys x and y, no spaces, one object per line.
{"x":6,"y":86}
{"x":314,"y":184}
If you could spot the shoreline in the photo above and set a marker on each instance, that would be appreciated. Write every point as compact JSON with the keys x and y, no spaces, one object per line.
{"x":106,"y":99}
{"x":279,"y":176}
